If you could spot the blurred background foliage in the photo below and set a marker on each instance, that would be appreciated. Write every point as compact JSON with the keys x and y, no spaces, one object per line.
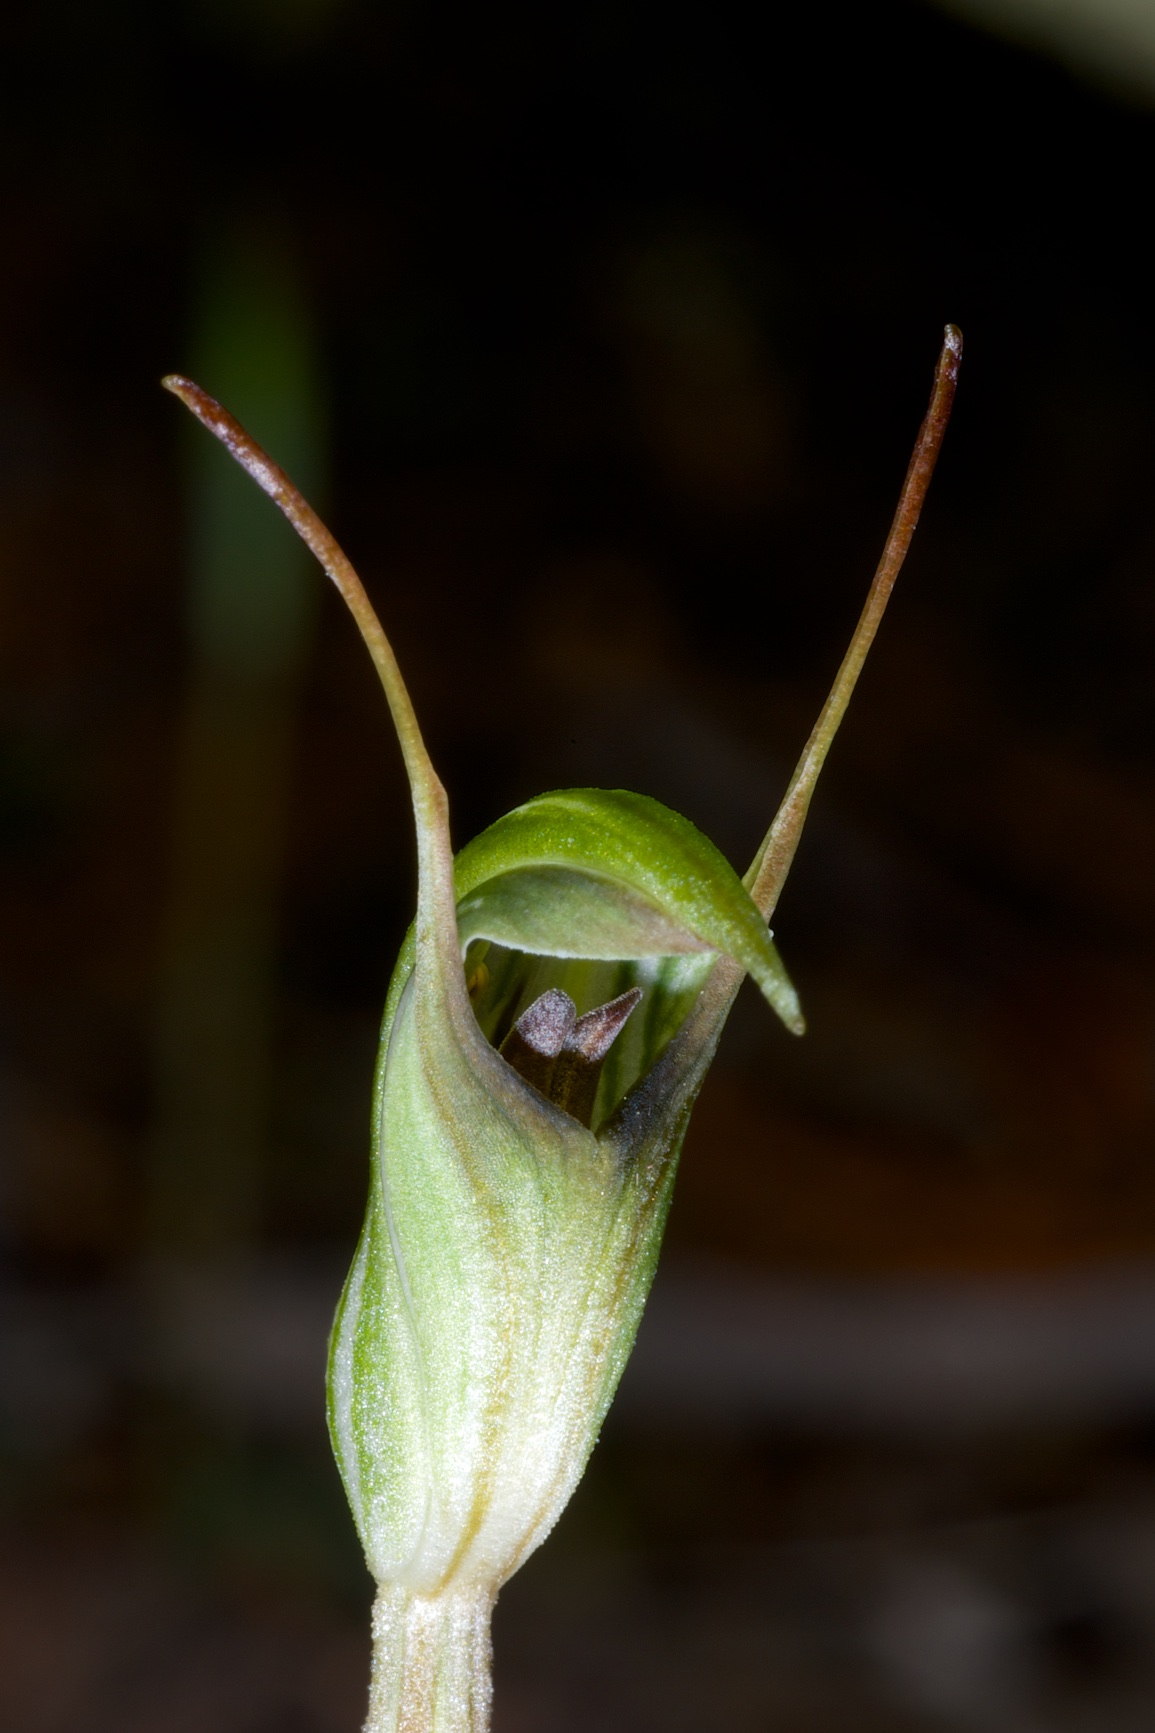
{"x":602,"y":334}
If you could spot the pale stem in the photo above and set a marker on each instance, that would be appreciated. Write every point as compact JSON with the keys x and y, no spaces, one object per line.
{"x":772,"y":863}
{"x":431,"y":1661}
{"x":436,"y":899}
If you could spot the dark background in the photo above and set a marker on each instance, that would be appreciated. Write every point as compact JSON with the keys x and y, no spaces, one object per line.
{"x":601,"y":334}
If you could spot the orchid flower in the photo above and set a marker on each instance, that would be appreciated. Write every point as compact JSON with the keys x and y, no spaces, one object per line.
{"x":552,"y":1015}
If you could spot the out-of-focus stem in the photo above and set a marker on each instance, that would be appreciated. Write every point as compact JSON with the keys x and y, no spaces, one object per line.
{"x":772,"y":863}
{"x":249,"y":612}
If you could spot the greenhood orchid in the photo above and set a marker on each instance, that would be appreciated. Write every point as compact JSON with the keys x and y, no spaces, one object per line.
{"x":551,"y":1018}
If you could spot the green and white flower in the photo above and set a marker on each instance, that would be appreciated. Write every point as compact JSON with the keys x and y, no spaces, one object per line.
{"x":551,"y":1018}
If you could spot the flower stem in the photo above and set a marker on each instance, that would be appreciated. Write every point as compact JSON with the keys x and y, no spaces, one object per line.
{"x":772,"y":863}
{"x":431,"y":1661}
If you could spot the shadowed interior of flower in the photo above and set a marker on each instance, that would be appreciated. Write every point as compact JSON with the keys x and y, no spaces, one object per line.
{"x":552,"y":1014}
{"x":558,"y":1052}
